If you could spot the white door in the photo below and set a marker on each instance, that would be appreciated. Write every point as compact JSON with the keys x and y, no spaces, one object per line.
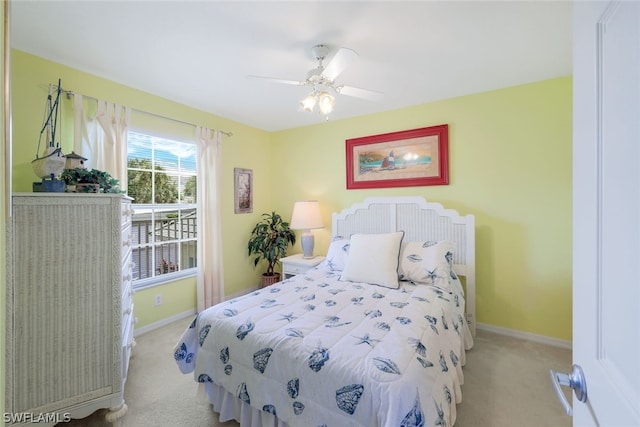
{"x":606,"y":211}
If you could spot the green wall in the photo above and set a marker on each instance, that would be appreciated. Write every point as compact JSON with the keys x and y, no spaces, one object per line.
{"x":510,"y":166}
{"x":247,"y":148}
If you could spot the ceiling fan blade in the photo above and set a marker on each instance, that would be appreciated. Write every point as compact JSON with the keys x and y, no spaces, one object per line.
{"x":340,"y":61}
{"x":274,"y":80}
{"x":369,"y":95}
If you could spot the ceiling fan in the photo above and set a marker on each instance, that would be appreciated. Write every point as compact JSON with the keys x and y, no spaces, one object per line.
{"x":322,"y":78}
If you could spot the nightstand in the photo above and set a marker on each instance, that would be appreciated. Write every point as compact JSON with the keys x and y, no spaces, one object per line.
{"x":296,"y":264}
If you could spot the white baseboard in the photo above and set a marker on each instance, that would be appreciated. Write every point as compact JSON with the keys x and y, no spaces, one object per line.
{"x":541,"y":339}
{"x":160,"y":323}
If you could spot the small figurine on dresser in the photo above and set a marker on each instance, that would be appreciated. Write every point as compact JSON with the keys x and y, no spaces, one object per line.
{"x":75,"y":161}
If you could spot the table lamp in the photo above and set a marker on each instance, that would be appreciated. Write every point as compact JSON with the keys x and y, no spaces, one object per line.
{"x":306,"y":216}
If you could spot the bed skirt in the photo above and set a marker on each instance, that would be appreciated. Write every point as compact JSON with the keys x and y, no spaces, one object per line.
{"x":229,"y":407}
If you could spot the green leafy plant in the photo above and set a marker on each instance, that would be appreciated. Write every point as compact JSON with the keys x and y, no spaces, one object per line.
{"x":107,"y":183}
{"x":269,"y":240}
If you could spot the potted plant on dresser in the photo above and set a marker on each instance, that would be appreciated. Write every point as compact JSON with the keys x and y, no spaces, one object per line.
{"x":81,"y":180}
{"x":269,"y":241}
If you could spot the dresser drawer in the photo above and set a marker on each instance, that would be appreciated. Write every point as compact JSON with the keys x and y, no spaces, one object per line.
{"x":127,"y":268}
{"x":127,"y":344}
{"x":127,"y":212}
{"x":127,"y":239}
{"x":296,"y":269}
{"x":127,"y":297}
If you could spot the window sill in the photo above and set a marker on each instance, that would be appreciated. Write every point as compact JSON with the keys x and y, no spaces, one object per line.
{"x":163,"y":279}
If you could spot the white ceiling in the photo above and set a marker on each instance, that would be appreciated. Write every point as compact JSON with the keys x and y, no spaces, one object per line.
{"x":199,"y":53}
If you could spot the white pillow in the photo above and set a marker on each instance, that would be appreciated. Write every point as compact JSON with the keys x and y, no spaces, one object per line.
{"x":429,"y":262}
{"x":337,"y":253}
{"x":373,"y":258}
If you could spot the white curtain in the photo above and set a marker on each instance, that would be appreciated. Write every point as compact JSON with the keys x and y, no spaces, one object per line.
{"x":210,"y":283}
{"x":102,"y":138}
{"x":85,"y":132}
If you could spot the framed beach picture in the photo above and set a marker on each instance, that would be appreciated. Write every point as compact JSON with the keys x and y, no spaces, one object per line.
{"x":243,"y":190}
{"x":415,"y":157}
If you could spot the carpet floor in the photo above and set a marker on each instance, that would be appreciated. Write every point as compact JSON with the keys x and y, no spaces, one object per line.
{"x":506,"y":384}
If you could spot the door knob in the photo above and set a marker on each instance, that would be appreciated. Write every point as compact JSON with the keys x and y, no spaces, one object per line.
{"x":575,"y":380}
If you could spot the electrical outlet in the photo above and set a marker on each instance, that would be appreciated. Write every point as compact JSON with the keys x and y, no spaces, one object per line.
{"x":158,"y":299}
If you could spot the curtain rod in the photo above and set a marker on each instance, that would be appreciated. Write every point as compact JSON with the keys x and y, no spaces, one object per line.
{"x":70,"y":92}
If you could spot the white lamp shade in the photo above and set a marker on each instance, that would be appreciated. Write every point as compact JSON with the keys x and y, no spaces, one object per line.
{"x":326,"y":103}
{"x":308,"y":103}
{"x":306,"y":215}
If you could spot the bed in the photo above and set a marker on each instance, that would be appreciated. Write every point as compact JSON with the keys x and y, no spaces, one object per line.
{"x":376,"y":335}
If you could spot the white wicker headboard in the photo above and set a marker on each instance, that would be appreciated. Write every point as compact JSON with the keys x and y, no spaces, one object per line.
{"x":420,"y":220}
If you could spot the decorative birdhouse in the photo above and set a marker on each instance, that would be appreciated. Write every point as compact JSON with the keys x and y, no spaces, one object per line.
{"x":75,"y":161}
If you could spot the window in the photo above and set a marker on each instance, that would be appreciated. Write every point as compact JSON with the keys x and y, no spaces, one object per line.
{"x":162,"y":180}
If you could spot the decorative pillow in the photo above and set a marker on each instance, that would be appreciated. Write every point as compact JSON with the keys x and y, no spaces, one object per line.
{"x":429,"y":262}
{"x":337,"y":253}
{"x":373,"y":258}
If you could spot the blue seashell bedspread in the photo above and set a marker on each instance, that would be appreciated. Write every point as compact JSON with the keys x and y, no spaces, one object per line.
{"x":314,"y":350}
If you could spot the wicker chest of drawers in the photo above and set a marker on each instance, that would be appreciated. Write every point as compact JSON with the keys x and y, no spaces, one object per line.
{"x":69,"y":304}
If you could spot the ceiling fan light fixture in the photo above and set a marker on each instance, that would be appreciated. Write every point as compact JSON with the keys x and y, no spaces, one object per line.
{"x":323,"y":78}
{"x":326,"y":102}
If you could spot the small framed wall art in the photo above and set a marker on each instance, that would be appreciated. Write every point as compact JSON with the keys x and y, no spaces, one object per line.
{"x":243,"y":190}
{"x":415,"y":157}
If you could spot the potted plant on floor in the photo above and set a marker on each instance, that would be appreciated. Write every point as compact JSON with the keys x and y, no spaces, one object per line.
{"x":269,"y":241}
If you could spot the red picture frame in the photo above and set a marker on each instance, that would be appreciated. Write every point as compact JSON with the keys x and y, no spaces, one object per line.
{"x":416,"y":157}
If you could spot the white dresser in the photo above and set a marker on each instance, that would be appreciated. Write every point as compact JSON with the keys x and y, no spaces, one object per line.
{"x":69,"y":305}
